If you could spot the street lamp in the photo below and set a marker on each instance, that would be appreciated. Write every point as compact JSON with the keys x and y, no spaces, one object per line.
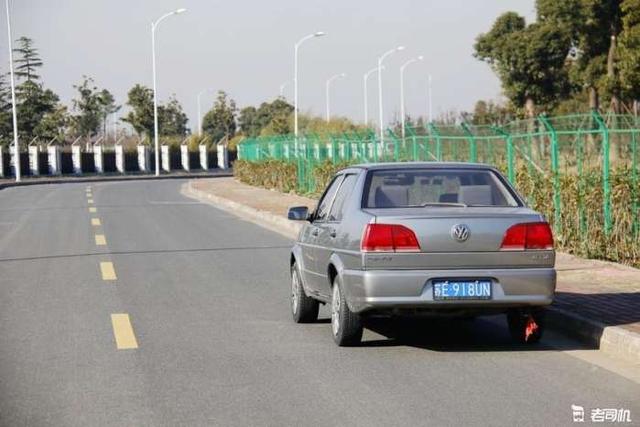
{"x":402,"y":106}
{"x":282,"y":86}
{"x":328,"y":94}
{"x":295,"y":80}
{"x":16,"y":147}
{"x":154,"y":25}
{"x":430,"y":103}
{"x":380,"y":110}
{"x":366,"y":94}
{"x":202,"y":92}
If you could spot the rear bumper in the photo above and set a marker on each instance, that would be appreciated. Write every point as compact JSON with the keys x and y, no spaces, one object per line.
{"x":390,"y":290}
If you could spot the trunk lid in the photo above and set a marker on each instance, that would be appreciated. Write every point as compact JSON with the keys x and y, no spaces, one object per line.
{"x":439,"y":246}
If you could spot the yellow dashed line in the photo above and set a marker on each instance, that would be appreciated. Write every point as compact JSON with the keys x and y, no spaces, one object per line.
{"x":101,"y":240}
{"x":95,"y":222}
{"x":90,"y":201}
{"x":123,"y":332}
{"x":93,"y":210}
{"x":107,"y":270}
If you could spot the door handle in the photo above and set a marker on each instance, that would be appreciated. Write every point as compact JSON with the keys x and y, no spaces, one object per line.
{"x":332,"y":233}
{"x":315,"y":232}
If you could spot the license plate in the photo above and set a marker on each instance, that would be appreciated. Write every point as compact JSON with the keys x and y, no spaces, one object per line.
{"x":461,"y":289}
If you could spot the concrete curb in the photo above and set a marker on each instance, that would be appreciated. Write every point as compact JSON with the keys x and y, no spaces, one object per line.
{"x":111,"y":178}
{"x":613,"y":340}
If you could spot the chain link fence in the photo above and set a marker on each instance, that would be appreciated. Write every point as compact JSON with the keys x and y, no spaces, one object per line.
{"x":580,"y":170}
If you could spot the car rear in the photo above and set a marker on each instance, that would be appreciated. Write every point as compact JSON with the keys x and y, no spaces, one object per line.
{"x":449,"y":240}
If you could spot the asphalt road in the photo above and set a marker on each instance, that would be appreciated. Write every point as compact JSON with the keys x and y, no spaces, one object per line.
{"x":203,"y":336}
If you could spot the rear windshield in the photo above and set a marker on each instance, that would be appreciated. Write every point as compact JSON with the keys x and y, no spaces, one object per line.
{"x":402,"y":188}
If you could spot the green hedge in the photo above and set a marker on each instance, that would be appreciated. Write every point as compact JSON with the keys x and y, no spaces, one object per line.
{"x":581,"y":228}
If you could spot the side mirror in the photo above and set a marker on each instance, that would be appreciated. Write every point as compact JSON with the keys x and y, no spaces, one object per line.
{"x":298,"y":213}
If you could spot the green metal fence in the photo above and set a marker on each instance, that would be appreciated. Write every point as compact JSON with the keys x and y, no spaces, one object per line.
{"x":573,"y":156}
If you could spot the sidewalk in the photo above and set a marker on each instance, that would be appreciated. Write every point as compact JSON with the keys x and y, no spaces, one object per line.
{"x":597,"y":302}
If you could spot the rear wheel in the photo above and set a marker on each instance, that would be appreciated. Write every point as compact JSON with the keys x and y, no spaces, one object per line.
{"x":346,"y":325}
{"x":526,"y":326}
{"x":303,"y":308}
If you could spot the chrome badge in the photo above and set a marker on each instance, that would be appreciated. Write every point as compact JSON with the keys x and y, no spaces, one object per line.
{"x":460,"y":232}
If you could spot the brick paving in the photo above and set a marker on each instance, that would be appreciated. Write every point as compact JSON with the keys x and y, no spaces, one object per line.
{"x":602,"y":291}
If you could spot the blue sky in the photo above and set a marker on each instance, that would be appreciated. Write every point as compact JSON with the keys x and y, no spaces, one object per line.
{"x":246,"y":48}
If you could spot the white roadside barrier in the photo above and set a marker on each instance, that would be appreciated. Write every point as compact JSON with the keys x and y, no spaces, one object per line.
{"x":98,"y":158}
{"x":144,"y":158}
{"x":120,"y":166}
{"x":184,"y":157}
{"x":204,"y":157}
{"x":34,"y":159}
{"x":54,"y":159}
{"x":165,"y":160}
{"x":76,"y":159}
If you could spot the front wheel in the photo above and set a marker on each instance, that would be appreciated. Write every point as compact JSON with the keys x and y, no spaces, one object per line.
{"x":303,"y":308}
{"x":526,"y":326}
{"x":345,"y":324}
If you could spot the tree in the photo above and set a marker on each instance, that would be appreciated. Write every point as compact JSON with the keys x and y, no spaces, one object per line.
{"x":272,"y":118}
{"x":220,"y":121}
{"x":53,"y":124}
{"x":140,"y":99}
{"x":629,"y":51}
{"x":89,"y":106}
{"x":490,"y":113}
{"x":6,"y":123}
{"x":33,"y":103}
{"x":172,"y":121}
{"x":529,"y":59}
{"x":28,"y":60}
{"x":109,"y":106}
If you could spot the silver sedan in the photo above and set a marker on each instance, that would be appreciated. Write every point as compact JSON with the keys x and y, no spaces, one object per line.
{"x":439,"y":239}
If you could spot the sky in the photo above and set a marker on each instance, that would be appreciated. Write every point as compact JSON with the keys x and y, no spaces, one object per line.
{"x":246,"y":49}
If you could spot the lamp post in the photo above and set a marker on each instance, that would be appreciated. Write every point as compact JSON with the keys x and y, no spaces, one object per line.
{"x":282,"y":86}
{"x":16,"y":147}
{"x":295,"y":80}
{"x":154,"y":25}
{"x":202,"y":92}
{"x":365,"y":78}
{"x":328,"y":90}
{"x":430,"y":103}
{"x":402,"y":106}
{"x":380,"y":110}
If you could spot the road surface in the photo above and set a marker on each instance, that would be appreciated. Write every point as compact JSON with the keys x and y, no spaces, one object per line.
{"x":159,"y":310}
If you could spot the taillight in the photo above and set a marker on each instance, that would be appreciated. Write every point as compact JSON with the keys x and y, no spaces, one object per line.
{"x":530,"y":235}
{"x":389,"y":238}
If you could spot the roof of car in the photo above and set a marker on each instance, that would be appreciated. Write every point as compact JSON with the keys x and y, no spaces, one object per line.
{"x":434,"y":165}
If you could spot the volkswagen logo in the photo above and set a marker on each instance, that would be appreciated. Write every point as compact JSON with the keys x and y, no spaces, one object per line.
{"x":460,"y":232}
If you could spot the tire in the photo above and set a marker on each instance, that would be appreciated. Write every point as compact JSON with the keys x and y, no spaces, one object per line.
{"x":346,"y":326}
{"x":522,"y":331}
{"x":304,"y":309}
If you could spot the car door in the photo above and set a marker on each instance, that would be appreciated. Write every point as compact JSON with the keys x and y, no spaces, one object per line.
{"x":317,"y":276}
{"x":329,"y":231}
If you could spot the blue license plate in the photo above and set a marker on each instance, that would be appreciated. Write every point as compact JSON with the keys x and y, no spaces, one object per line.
{"x":461,"y":289}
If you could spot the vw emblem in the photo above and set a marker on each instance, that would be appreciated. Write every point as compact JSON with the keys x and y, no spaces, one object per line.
{"x":460,"y":232}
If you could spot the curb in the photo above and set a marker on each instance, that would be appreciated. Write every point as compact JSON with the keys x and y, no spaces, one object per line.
{"x":112,"y":178}
{"x":613,"y":340}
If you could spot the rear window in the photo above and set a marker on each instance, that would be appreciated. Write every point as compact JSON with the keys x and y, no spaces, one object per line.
{"x":402,"y":188}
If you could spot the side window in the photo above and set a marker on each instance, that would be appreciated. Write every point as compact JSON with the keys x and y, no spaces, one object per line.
{"x":338,"y":208}
{"x":325,"y":202}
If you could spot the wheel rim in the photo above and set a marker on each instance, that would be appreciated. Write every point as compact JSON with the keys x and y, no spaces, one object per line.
{"x":335,"y":310}
{"x":295,"y":292}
